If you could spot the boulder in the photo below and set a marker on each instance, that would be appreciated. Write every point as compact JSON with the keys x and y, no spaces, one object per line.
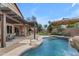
{"x":74,"y":41}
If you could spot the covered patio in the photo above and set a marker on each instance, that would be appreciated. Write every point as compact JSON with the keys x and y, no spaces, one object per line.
{"x":12,"y":23}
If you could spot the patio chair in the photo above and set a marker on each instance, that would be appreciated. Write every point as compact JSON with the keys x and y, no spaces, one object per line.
{"x":10,"y":37}
{"x":7,"y":37}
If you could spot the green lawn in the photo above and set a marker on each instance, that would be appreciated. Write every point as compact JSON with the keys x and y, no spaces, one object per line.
{"x":42,"y":33}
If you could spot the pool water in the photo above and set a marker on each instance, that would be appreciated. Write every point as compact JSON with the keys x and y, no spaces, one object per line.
{"x":52,"y":46}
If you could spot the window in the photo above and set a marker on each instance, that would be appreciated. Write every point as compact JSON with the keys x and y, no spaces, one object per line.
{"x":9,"y":29}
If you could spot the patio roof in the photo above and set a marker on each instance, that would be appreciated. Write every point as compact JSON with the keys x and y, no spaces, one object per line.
{"x":13,"y":11}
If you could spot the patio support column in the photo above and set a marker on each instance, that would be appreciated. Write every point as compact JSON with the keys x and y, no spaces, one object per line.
{"x":25,"y":30}
{"x":3,"y":30}
{"x":13,"y":29}
{"x":34,"y":31}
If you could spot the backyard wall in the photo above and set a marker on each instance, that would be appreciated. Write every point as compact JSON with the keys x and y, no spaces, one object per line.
{"x":71,"y":31}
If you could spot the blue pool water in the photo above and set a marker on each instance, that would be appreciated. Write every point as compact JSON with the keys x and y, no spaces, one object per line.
{"x":52,"y":46}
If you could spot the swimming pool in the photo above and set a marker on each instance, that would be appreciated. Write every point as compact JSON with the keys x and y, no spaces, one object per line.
{"x":52,"y":46}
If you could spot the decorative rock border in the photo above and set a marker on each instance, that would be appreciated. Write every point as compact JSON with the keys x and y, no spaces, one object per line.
{"x":74,"y":42}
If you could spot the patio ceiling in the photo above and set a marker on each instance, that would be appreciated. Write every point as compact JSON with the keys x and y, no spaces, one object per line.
{"x":12,"y":14}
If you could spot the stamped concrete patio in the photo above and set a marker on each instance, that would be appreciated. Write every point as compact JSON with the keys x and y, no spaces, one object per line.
{"x":19,"y":45}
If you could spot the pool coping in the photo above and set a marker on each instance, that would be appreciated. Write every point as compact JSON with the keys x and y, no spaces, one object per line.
{"x":42,"y":42}
{"x":29,"y":49}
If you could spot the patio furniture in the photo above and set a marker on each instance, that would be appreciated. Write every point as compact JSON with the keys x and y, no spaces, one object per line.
{"x":10,"y":37}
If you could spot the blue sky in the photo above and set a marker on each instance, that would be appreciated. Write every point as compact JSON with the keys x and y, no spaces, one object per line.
{"x":49,"y":11}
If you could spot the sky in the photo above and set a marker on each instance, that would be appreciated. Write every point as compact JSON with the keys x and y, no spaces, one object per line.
{"x":45,"y":12}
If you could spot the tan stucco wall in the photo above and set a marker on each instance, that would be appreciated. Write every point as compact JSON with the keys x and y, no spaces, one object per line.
{"x":21,"y":29}
{"x":6,"y":25}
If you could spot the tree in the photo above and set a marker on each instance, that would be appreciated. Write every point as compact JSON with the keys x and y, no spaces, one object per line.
{"x":34,"y":21}
{"x":49,"y":22}
{"x":39,"y":28}
{"x":45,"y":26}
{"x":28,"y":32}
{"x":49,"y":28}
{"x":33,"y":18}
{"x":28,"y":19}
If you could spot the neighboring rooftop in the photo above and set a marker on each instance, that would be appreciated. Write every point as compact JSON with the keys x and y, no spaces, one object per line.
{"x":65,"y":21}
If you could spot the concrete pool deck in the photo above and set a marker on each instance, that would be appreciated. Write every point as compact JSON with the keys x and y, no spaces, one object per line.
{"x":23,"y":45}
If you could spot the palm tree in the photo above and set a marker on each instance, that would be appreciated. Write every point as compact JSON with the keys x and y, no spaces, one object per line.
{"x":28,"y":19}
{"x":45,"y":26}
{"x":34,"y":21}
{"x":49,"y":22}
{"x":49,"y":28}
{"x":28,"y":32}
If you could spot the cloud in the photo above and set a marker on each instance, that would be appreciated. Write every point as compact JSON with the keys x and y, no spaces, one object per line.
{"x":33,"y":12}
{"x":73,"y":4}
